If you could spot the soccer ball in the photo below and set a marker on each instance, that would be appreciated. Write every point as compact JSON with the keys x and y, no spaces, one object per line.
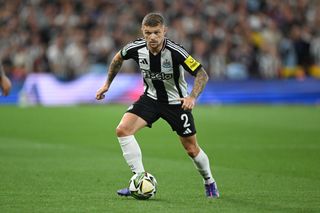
{"x":143,"y":186}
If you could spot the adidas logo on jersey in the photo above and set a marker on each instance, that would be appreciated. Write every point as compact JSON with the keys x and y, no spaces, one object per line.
{"x":187,"y":131}
{"x":143,"y":61}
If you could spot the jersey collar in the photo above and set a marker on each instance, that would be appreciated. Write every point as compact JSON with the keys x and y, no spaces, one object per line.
{"x":164,"y":44}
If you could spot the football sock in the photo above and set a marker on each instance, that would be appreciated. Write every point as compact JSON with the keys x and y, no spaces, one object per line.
{"x":131,"y":153}
{"x":201,"y":162}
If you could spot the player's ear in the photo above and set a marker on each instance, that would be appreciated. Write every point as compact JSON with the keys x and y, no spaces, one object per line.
{"x":165,"y":30}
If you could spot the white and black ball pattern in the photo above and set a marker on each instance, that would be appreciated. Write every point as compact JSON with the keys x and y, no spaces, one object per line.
{"x":143,"y":186}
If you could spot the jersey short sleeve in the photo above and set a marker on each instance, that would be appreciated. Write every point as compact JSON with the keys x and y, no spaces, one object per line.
{"x":190,"y":64}
{"x":125,"y":53}
{"x":129,"y":51}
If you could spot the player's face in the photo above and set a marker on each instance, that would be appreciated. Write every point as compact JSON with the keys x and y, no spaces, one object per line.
{"x":154,"y":36}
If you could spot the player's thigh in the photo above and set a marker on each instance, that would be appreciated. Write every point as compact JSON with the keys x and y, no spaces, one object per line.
{"x":131,"y":123}
{"x":145,"y":108}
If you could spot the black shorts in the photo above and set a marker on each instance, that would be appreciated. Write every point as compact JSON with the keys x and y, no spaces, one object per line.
{"x":150,"y":110}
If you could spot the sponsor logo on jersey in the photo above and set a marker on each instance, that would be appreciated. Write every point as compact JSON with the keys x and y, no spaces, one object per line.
{"x":191,"y":63}
{"x":156,"y":76}
{"x":166,"y":64}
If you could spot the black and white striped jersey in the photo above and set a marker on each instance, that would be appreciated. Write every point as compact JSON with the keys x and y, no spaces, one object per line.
{"x":163,"y":74}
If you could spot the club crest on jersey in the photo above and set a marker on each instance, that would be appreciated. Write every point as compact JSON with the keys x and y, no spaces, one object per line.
{"x":156,"y":76}
{"x":166,"y":64}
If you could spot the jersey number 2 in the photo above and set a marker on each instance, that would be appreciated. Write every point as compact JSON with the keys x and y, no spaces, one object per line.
{"x":185,"y":118}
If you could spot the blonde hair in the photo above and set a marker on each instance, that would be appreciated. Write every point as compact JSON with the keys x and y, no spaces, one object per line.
{"x":153,"y":19}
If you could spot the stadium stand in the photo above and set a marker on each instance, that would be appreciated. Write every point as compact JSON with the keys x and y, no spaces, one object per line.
{"x":234,"y":39}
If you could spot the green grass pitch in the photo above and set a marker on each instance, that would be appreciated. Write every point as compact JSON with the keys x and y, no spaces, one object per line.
{"x":67,"y":159}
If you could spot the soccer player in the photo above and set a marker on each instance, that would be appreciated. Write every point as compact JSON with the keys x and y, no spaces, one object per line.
{"x":5,"y":83}
{"x":162,"y":63}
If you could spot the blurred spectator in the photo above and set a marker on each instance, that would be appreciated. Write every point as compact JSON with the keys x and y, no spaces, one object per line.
{"x":57,"y":57}
{"x":101,"y":44}
{"x":200,"y":50}
{"x":315,"y":53}
{"x":67,"y":17}
{"x":76,"y":53}
{"x":315,"y":49}
{"x":235,"y":39}
{"x":218,"y":63}
{"x":268,"y":62}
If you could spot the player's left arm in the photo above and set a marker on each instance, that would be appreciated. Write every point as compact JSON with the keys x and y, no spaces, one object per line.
{"x":200,"y":82}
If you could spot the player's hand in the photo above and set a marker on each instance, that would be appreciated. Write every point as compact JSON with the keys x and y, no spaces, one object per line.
{"x":5,"y":85}
{"x":100,"y":93}
{"x":187,"y":103}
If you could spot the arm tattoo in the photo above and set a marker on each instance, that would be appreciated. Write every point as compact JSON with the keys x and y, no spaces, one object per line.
{"x":199,"y":83}
{"x":114,"y":68}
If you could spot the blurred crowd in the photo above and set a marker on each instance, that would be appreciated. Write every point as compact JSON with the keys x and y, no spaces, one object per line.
{"x":233,"y":39}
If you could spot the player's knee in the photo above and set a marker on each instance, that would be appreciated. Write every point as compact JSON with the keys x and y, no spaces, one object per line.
{"x":190,"y":145}
{"x":122,"y":131}
{"x":192,"y":151}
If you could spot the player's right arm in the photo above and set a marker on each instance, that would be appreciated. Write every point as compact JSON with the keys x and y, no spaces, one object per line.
{"x":114,"y":68}
{"x":5,"y":83}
